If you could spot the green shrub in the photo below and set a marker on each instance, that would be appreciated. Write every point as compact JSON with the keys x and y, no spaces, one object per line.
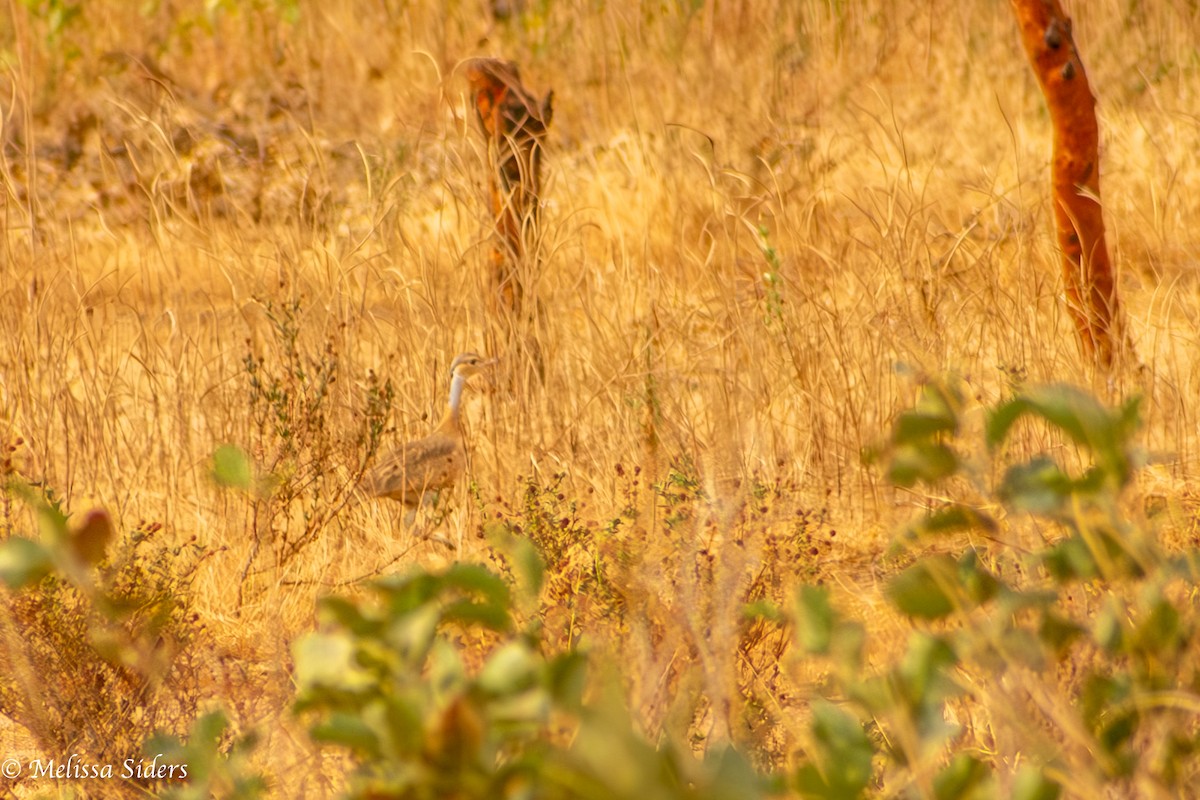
{"x":1075,"y":660}
{"x":396,"y":680}
{"x":98,"y":637}
{"x":1065,"y":668}
{"x":299,"y":489}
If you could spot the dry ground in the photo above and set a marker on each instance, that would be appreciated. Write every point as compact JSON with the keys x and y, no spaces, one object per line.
{"x":764,"y":220}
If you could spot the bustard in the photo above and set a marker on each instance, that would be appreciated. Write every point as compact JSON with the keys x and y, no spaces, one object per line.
{"x":435,"y":462}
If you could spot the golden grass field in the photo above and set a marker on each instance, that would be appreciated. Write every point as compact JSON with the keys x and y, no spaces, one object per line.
{"x":764,"y":222}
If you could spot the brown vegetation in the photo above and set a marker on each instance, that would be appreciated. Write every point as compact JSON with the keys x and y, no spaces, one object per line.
{"x":224,"y":223}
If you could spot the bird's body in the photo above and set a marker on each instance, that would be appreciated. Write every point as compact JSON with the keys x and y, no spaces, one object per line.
{"x":424,"y":467}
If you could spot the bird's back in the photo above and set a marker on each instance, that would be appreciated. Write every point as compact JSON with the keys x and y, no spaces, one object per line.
{"x":419,"y":467}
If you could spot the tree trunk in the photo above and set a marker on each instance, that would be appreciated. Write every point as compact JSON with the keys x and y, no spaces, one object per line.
{"x":514,"y":124}
{"x":1087,"y":272}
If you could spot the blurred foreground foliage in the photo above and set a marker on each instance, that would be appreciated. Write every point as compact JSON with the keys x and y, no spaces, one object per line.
{"x":1046,"y":621}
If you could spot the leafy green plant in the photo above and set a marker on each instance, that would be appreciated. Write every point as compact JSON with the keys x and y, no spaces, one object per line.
{"x":996,"y":627}
{"x":772,"y":279}
{"x":217,"y":762}
{"x":296,"y":491}
{"x":441,"y":684}
{"x":392,"y":679}
{"x":58,"y":18}
{"x":99,"y":641}
{"x":547,"y":524}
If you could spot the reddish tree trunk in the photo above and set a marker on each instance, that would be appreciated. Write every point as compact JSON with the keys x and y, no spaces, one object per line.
{"x":514,"y":124}
{"x":1087,"y":272}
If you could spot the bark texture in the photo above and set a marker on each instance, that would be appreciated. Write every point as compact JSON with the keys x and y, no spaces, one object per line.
{"x":1088,"y":274}
{"x":514,"y":124}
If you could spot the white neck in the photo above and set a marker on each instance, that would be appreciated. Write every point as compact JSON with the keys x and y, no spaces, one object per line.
{"x":456,"y":390}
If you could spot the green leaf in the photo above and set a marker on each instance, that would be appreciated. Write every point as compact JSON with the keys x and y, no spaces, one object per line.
{"x":527,"y":709}
{"x":23,"y":562}
{"x":940,"y":400}
{"x":842,"y":768}
{"x":52,"y":523}
{"x":814,"y":619}
{"x":347,"y":614}
{"x":402,"y":719}
{"x":348,"y":730}
{"x":477,"y":579}
{"x":1031,"y":783}
{"x":926,"y":590}
{"x":1108,"y":713}
{"x":217,"y":767}
{"x":923,"y":670}
{"x":1102,"y":553}
{"x":566,"y":679}
{"x":1109,"y":627}
{"x":527,"y":563}
{"x":951,"y":519}
{"x":329,"y":661}
{"x":762,"y":610}
{"x":918,"y":452}
{"x":469,"y":612}
{"x":846,"y":649}
{"x":1078,"y":415}
{"x":404,"y":594}
{"x":979,"y":584}
{"x":844,"y":739}
{"x":529,"y":566}
{"x":231,"y":467}
{"x":210,"y":728}
{"x":1068,"y":408}
{"x":875,"y":693}
{"x":201,"y":752}
{"x":1160,"y":632}
{"x":820,"y":630}
{"x":446,"y":672}
{"x":1058,"y":632}
{"x":932,"y":415}
{"x":733,"y":777}
{"x":511,"y":669}
{"x":929,"y":462}
{"x":1038,"y":487}
{"x":965,"y":778}
{"x":1070,"y":559}
{"x":413,"y":634}
{"x":491,"y":604}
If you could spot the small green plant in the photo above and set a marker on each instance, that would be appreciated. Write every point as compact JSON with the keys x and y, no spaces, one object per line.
{"x":98,"y":638}
{"x":297,"y":491}
{"x":217,"y":762}
{"x":58,"y":17}
{"x":772,"y":280}
{"x":551,"y":523}
{"x":393,"y":679}
{"x":1102,"y":696}
{"x":551,"y":520}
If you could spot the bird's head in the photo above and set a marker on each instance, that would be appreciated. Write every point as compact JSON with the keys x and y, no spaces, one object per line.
{"x":467,"y":364}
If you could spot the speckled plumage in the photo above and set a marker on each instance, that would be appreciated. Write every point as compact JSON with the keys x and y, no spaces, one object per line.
{"x":426,"y":466}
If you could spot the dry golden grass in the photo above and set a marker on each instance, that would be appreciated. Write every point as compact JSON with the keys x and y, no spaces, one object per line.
{"x":762,"y":219}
